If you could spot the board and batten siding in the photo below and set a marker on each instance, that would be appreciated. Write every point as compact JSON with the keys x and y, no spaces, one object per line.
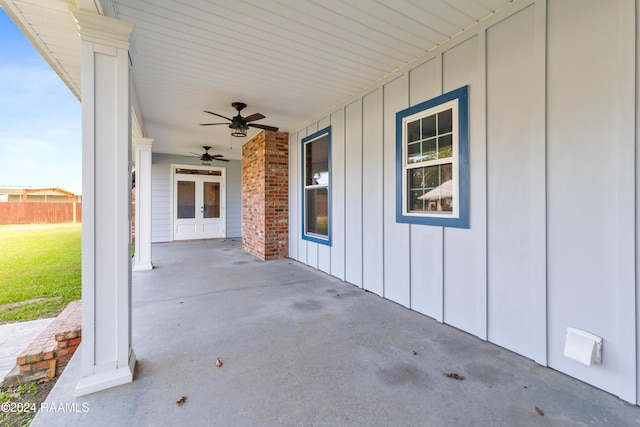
{"x":161,"y":203}
{"x":553,"y":183}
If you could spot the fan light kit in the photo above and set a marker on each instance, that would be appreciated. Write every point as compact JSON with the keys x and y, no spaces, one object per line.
{"x":240,"y":125}
{"x":207,"y":158}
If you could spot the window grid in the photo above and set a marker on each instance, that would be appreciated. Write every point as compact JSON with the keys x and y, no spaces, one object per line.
{"x":430,"y":152}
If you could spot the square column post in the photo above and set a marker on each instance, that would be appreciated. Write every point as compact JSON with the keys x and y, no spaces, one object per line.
{"x":265,"y":195}
{"x":107,"y":357}
{"x":142,"y":256}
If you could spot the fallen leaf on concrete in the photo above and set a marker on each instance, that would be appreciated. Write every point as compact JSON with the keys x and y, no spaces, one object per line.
{"x":218,"y":362}
{"x":539,"y":411}
{"x":453,"y":375}
{"x":181,"y":400}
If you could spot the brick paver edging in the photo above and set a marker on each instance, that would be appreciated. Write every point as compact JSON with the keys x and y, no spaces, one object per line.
{"x":49,"y":353}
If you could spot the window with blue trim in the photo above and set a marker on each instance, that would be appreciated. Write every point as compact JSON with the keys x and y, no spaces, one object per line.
{"x":316,"y":187}
{"x":432,"y":162}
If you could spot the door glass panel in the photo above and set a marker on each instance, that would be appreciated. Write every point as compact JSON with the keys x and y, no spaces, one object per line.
{"x":211,"y":199}
{"x":186,"y":199}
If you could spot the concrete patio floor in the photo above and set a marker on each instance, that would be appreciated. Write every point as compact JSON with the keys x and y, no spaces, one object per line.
{"x":301,"y":348}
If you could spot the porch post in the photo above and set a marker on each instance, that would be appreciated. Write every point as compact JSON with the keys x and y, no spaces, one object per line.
{"x":107,"y":357}
{"x":142,"y":256}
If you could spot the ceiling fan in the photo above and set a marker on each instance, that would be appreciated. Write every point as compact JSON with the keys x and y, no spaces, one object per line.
{"x":239,"y":125}
{"x":206,"y":157}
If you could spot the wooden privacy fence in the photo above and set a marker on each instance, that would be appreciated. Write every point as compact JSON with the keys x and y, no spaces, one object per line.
{"x":39,"y":212}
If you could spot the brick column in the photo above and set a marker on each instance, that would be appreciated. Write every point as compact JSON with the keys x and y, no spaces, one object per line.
{"x":265,"y":195}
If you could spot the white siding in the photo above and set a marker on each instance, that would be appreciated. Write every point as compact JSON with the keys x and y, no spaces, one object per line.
{"x":512,"y":162}
{"x":372,"y":192}
{"x":553,"y":184}
{"x":161,"y":195}
{"x":234,"y":197}
{"x":353,"y":194}
{"x":585,"y":128}
{"x":396,"y":251}
{"x":465,"y":288}
{"x":160,"y":202}
{"x":337,"y":194}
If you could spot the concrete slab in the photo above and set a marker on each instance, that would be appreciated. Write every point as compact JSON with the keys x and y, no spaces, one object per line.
{"x":14,"y":338}
{"x":301,"y":348}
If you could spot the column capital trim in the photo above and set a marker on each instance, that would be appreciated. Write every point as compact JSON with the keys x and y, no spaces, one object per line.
{"x":102,"y":29}
{"x":143,"y":142}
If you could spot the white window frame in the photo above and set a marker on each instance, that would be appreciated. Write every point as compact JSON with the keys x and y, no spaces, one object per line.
{"x":453,"y":160}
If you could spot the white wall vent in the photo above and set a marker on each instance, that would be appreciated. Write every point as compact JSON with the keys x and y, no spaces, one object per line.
{"x":583,"y":347}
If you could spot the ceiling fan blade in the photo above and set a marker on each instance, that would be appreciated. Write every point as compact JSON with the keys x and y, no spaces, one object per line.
{"x":254,"y":117}
{"x":217,"y":155}
{"x":219,"y":115}
{"x":265,"y":127}
{"x":195,"y":154}
{"x":211,"y":124}
{"x":220,"y":160}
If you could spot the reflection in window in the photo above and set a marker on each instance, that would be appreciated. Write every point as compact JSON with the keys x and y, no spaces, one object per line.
{"x":317,"y":181}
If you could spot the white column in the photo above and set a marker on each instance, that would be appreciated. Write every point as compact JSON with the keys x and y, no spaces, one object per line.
{"x":107,"y":357}
{"x":142,"y":256}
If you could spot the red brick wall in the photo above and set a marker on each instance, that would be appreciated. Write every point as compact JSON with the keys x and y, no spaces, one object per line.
{"x":265,"y":195}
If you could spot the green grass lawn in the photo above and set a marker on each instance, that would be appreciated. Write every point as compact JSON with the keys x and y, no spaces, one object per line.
{"x":40,"y":270}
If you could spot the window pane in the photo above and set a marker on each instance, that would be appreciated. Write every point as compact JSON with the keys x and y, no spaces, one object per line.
{"x":416,"y":178}
{"x":445,"y":146}
{"x":445,"y":122}
{"x":429,"y":127}
{"x":186,"y":199}
{"x":317,"y":209}
{"x":317,"y":162}
{"x":430,"y":189}
{"x":413,"y":131}
{"x":429,"y":150}
{"x":211,"y":197}
{"x":414,"y":153}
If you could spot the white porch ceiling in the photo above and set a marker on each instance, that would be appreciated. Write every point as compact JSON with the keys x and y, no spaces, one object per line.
{"x":292,"y":60}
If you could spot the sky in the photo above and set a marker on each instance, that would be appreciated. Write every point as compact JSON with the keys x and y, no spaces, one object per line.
{"x":40,"y":119}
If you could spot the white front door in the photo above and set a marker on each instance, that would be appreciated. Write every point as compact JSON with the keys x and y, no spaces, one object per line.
{"x":199,"y":211}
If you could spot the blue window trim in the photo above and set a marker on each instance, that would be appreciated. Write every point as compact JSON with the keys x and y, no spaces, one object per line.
{"x":462,"y":221}
{"x":314,"y":238}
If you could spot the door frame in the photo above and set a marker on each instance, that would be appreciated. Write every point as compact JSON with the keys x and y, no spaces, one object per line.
{"x":172,"y":195}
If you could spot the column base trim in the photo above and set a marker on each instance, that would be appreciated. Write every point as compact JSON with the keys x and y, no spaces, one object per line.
{"x":105,"y":380}
{"x":142,"y":267}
